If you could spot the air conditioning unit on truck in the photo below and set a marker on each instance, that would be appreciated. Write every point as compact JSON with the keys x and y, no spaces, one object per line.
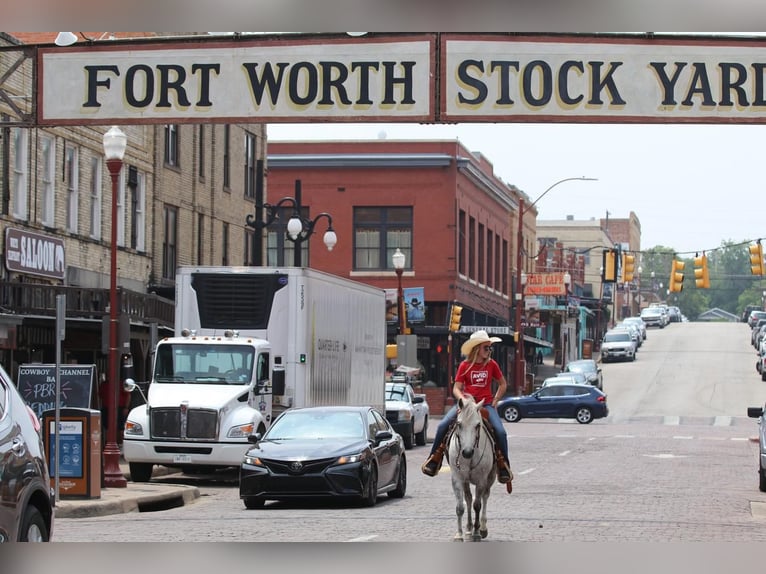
{"x":249,"y":343}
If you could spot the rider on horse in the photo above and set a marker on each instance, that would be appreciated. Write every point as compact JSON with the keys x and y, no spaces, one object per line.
{"x":474,"y":377}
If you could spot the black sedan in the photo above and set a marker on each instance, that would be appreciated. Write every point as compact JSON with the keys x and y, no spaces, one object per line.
{"x":581,"y":402}
{"x":337,"y":452}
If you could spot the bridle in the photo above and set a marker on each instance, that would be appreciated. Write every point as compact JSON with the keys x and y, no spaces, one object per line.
{"x":480,"y":430}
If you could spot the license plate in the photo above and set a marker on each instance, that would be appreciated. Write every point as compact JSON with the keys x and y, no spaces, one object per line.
{"x":182,"y":458}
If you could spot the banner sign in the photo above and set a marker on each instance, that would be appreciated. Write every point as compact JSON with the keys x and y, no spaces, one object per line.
{"x":428,"y":77}
{"x":545,"y":284}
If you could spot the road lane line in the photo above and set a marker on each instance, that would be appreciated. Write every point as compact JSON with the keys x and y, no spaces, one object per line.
{"x":566,"y":452}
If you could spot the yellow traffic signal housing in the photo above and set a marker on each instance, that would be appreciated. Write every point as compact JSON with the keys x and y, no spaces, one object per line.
{"x":701,"y":277}
{"x":756,"y":259}
{"x":454,"y":317}
{"x":628,"y":267}
{"x":676,"y":284}
{"x":609,"y":266}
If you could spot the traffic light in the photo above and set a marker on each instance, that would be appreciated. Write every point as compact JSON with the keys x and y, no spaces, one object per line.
{"x":701,"y":278}
{"x":454,"y":317}
{"x":609,"y":266}
{"x":628,"y":267}
{"x":676,"y":284}
{"x":756,"y":258}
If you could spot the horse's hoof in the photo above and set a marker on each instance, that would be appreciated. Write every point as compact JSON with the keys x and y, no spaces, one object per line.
{"x":476,"y":537}
{"x":483,"y":533}
{"x":457,"y":538}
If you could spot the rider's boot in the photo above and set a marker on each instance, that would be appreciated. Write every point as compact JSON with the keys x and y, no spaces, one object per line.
{"x":434,"y":462}
{"x":504,"y":474}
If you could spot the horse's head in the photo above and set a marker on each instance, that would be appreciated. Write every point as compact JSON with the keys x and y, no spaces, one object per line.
{"x":468,"y":425}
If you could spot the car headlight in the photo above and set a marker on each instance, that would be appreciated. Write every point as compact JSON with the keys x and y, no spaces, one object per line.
{"x":253,"y":460}
{"x":240,"y":431}
{"x":352,"y":458}
{"x":405,"y":415}
{"x":133,"y":428}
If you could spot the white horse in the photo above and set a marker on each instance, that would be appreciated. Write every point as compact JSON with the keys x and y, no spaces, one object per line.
{"x":471,"y":457}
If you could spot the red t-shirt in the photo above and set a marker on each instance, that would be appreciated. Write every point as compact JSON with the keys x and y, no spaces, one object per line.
{"x":477,"y":379}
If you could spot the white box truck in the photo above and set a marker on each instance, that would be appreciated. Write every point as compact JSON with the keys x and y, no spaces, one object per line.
{"x":249,"y":343}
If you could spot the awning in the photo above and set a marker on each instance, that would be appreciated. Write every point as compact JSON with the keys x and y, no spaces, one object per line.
{"x":538,"y":342}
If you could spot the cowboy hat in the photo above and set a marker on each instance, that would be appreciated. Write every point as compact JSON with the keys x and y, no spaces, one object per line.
{"x":477,"y":338}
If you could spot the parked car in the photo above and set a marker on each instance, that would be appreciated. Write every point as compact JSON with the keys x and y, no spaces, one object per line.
{"x":639,"y":322}
{"x":26,"y":497}
{"x":674,"y":314}
{"x":584,"y":403}
{"x":332,"y":451}
{"x":652,"y":317}
{"x":754,"y":316}
{"x":618,"y":345}
{"x":408,"y":413}
{"x":757,"y":413}
{"x":635,"y":332}
{"x":590,"y":369}
{"x":564,"y":378}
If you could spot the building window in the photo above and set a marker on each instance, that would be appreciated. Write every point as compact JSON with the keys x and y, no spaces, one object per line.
{"x":201,"y":153}
{"x":505,"y":267}
{"x":20,"y":174}
{"x":248,"y":250}
{"x":171,"y":145}
{"x":226,"y":156}
{"x":461,"y":243}
{"x":169,"y":242}
{"x":490,"y":260}
{"x":48,"y":160}
{"x":480,"y":257}
{"x":498,"y":267}
{"x":280,"y":251}
{"x":72,"y":177}
{"x":5,"y":166}
{"x":471,"y":248}
{"x":95,"y":197}
{"x":225,"y":244}
{"x":200,"y":238}
{"x":251,"y":151}
{"x":378,"y":232}
{"x":137,"y":187}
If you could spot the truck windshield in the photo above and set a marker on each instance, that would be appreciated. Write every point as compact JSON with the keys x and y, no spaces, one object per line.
{"x":204,"y":364}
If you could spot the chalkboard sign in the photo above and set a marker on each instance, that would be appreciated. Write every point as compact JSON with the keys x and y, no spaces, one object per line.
{"x":37,"y":384}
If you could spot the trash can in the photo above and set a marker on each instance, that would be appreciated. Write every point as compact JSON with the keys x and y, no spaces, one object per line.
{"x":80,"y":445}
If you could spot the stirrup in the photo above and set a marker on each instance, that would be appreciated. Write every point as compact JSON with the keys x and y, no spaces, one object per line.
{"x":431,"y":466}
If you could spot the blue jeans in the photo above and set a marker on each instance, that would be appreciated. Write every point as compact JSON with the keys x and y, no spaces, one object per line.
{"x":494,"y":420}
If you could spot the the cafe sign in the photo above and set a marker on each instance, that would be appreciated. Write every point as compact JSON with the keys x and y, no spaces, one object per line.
{"x":551,"y":284}
{"x":34,"y":254}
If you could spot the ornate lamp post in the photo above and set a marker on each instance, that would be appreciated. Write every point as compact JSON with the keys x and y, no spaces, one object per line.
{"x":115,"y":143}
{"x":519,"y":367}
{"x":299,"y":228}
{"x":398,"y":260}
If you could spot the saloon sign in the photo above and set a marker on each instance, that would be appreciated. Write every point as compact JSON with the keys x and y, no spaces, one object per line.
{"x":35,"y":254}
{"x":429,"y":77}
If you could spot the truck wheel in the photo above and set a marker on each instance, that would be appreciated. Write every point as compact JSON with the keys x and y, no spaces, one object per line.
{"x":409,"y":438}
{"x":140,"y":471}
{"x":33,"y":527}
{"x":420,"y":438}
{"x":254,"y":502}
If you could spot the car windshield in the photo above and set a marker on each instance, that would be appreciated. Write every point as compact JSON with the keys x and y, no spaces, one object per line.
{"x":204,"y":364}
{"x":395,"y":392}
{"x":616,"y":337}
{"x":581,"y":367}
{"x":316,"y":425}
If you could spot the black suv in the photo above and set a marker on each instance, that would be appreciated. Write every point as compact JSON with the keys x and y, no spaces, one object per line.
{"x":26,"y":497}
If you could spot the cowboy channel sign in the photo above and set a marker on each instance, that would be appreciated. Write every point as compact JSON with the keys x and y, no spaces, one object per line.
{"x":428,"y":77}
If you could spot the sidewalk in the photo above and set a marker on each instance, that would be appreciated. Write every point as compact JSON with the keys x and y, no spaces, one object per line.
{"x":133,"y":498}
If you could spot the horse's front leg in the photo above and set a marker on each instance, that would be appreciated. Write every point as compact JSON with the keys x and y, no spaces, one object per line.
{"x":483,"y":531}
{"x":459,"y":508}
{"x":470,"y":505}
{"x":480,"y":516}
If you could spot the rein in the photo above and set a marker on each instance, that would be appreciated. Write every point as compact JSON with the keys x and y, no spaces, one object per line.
{"x":471,"y":466}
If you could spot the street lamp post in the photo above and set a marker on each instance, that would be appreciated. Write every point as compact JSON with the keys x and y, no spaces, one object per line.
{"x":115,"y":143}
{"x":519,"y":298}
{"x":398,"y":260}
{"x":299,"y":228}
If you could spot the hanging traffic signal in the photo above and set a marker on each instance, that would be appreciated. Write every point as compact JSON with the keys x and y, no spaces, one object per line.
{"x":628,"y":267}
{"x":676,"y":284}
{"x":701,"y":278}
{"x":756,"y":258}
{"x":454,"y":317}
{"x":609,"y":266}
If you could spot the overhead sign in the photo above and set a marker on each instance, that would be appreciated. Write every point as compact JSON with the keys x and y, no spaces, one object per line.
{"x":429,"y":77}
{"x":292,"y":80}
{"x":545,"y":284}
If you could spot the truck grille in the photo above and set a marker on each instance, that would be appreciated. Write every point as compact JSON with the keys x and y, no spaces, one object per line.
{"x":176,"y":423}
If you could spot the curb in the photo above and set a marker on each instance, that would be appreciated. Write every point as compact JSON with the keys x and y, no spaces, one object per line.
{"x":130,"y":499}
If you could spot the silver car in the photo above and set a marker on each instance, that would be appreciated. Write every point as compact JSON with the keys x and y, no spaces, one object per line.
{"x":589,"y":369}
{"x":26,"y":497}
{"x":757,"y":413}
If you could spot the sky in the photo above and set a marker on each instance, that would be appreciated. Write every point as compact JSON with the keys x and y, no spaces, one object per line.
{"x":692,"y":187}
